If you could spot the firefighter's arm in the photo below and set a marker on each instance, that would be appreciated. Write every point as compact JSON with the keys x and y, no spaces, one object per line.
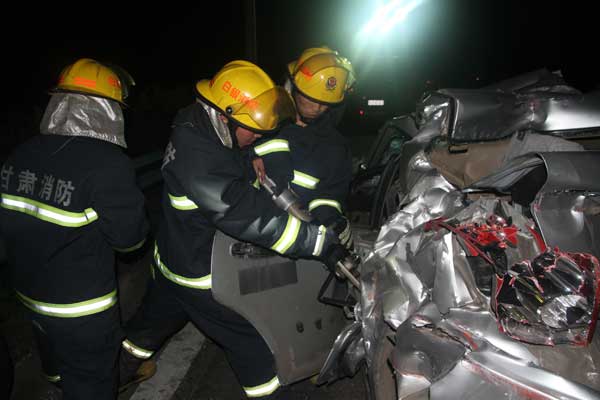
{"x":216,"y":184}
{"x":276,"y":161}
{"x":327,"y":206}
{"x":327,"y":210}
{"x":120,"y":206}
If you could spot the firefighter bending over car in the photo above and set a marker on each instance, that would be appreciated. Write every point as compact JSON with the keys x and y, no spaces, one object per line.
{"x":68,"y":201}
{"x":208,"y":187}
{"x":311,"y":157}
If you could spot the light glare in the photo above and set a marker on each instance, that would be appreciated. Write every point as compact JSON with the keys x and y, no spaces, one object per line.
{"x":389,"y":15}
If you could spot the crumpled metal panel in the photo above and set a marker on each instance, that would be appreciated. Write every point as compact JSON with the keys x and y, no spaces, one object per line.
{"x":71,"y":114}
{"x":496,"y":375}
{"x":423,"y":284}
{"x":431,"y":197}
{"x":535,"y":142}
{"x":536,"y":102}
{"x":424,"y":288}
{"x":345,"y":356}
{"x":434,"y":352}
{"x":579,"y":364}
{"x":566,"y":204}
{"x":571,"y":171}
{"x":541,"y":80}
{"x":391,"y":289}
{"x":419,"y":166}
{"x":569,"y":220}
{"x":481,"y":115}
{"x":433,"y":115}
{"x":512,"y":172}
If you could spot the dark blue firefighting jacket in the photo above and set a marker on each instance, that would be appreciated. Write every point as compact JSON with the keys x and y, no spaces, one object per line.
{"x":67,"y":203}
{"x":315,"y":162}
{"x":207,"y":186}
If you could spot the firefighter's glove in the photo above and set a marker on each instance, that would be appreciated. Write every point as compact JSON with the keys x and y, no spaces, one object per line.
{"x":332,"y":254}
{"x":342,"y":229}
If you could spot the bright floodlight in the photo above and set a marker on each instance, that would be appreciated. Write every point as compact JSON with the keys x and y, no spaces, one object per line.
{"x":389,"y":15}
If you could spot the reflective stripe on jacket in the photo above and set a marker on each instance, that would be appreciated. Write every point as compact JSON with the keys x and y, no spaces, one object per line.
{"x":317,"y":166}
{"x":66,"y":204}
{"x":207,"y":186}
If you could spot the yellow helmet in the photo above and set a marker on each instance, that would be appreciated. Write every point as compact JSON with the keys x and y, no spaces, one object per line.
{"x":322,"y":75}
{"x":244,"y":92}
{"x":87,"y":76}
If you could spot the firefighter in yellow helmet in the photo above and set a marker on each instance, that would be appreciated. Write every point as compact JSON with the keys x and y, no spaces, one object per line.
{"x":69,"y":201}
{"x":318,"y":81}
{"x":207,"y":187}
{"x":311,"y":157}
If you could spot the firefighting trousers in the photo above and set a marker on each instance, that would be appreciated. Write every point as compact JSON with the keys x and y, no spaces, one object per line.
{"x":167,"y":307}
{"x":80,"y":354}
{"x":6,"y":370}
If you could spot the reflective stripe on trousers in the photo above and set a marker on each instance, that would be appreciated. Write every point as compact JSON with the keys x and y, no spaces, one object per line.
{"x":182,"y":203}
{"x":72,"y":310}
{"x":52,"y":378}
{"x":48,"y":213}
{"x":132,"y":248}
{"x":264,"y":389}
{"x":136,"y":351}
{"x":204,"y":282}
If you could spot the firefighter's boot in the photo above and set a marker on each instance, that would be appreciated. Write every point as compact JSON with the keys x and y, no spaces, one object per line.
{"x":133,"y":370}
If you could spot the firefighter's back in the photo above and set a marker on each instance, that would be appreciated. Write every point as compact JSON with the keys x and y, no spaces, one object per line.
{"x":52,"y":189}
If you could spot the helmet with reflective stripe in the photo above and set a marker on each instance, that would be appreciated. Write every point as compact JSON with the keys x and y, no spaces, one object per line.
{"x":244,"y":92}
{"x":322,"y":75}
{"x":89,"y":77}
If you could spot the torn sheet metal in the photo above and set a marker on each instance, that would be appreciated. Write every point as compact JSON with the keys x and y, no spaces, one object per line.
{"x":431,"y":197}
{"x":563,"y":190}
{"x":434,"y":115}
{"x":523,"y":105}
{"x":541,"y":80}
{"x":481,"y":115}
{"x":463,"y":356}
{"x":551,"y":299}
{"x":432,"y":288}
{"x":346,"y":356}
{"x":565,"y":208}
{"x":433,"y":275}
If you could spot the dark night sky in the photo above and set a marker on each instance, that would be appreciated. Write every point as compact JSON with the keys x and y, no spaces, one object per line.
{"x":448,"y":41}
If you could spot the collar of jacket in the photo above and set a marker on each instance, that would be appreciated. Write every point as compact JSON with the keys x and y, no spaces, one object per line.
{"x":205,"y":118}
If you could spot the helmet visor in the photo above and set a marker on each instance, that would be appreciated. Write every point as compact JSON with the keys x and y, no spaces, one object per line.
{"x":351,"y":74}
{"x":267,"y":111}
{"x":316,"y":63}
{"x":124,"y":77}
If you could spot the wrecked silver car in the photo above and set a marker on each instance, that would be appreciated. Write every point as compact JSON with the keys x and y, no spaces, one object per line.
{"x":484,"y":280}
